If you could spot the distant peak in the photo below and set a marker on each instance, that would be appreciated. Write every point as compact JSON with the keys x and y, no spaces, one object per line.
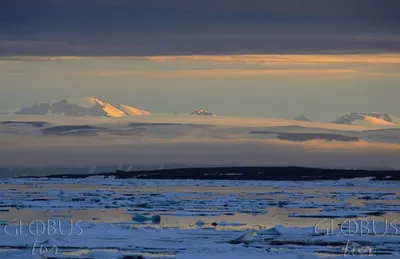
{"x":302,"y":118}
{"x":203,"y":112}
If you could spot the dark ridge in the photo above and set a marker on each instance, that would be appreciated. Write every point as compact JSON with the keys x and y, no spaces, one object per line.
{"x":59,"y":130}
{"x":246,"y":173}
{"x":308,"y":136}
{"x":38,"y":124}
{"x":382,"y":130}
{"x":143,"y":124}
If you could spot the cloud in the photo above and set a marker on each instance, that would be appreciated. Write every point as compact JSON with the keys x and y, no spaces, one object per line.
{"x":221,"y":72}
{"x":42,"y":58}
{"x":384,"y":65}
{"x":289,"y":59}
{"x":383,"y":75}
{"x":317,"y":144}
{"x":359,"y":146}
{"x":267,"y":59}
{"x":369,"y":65}
{"x":51,"y":151}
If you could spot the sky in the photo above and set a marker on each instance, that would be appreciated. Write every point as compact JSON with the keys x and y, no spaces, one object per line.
{"x":248,"y":58}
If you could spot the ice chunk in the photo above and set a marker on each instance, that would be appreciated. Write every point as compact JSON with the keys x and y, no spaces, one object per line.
{"x":141,"y":218}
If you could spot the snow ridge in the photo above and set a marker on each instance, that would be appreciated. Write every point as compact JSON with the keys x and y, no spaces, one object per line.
{"x":371,"y":118}
{"x":203,"y":112}
{"x":88,"y":106}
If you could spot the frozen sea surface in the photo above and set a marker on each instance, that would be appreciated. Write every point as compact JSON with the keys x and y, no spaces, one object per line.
{"x":110,"y":218}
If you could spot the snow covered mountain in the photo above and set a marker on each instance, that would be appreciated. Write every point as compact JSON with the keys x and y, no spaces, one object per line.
{"x":302,"y":118}
{"x":368,"y":118}
{"x":203,"y":112}
{"x":87,"y":106}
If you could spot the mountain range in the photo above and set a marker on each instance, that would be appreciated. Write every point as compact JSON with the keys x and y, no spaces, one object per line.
{"x":87,"y":106}
{"x":368,"y":118}
{"x":94,"y":107}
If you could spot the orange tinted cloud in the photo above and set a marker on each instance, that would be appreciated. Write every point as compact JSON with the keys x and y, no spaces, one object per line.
{"x":223,"y":72}
{"x":287,"y":59}
{"x":264,"y":59}
{"x":359,"y":146}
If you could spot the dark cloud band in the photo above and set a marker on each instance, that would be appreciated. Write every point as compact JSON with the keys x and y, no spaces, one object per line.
{"x":103,"y":27}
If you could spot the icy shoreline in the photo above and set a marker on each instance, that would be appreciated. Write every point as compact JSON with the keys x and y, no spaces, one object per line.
{"x":199,"y":218}
{"x":245,"y":173}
